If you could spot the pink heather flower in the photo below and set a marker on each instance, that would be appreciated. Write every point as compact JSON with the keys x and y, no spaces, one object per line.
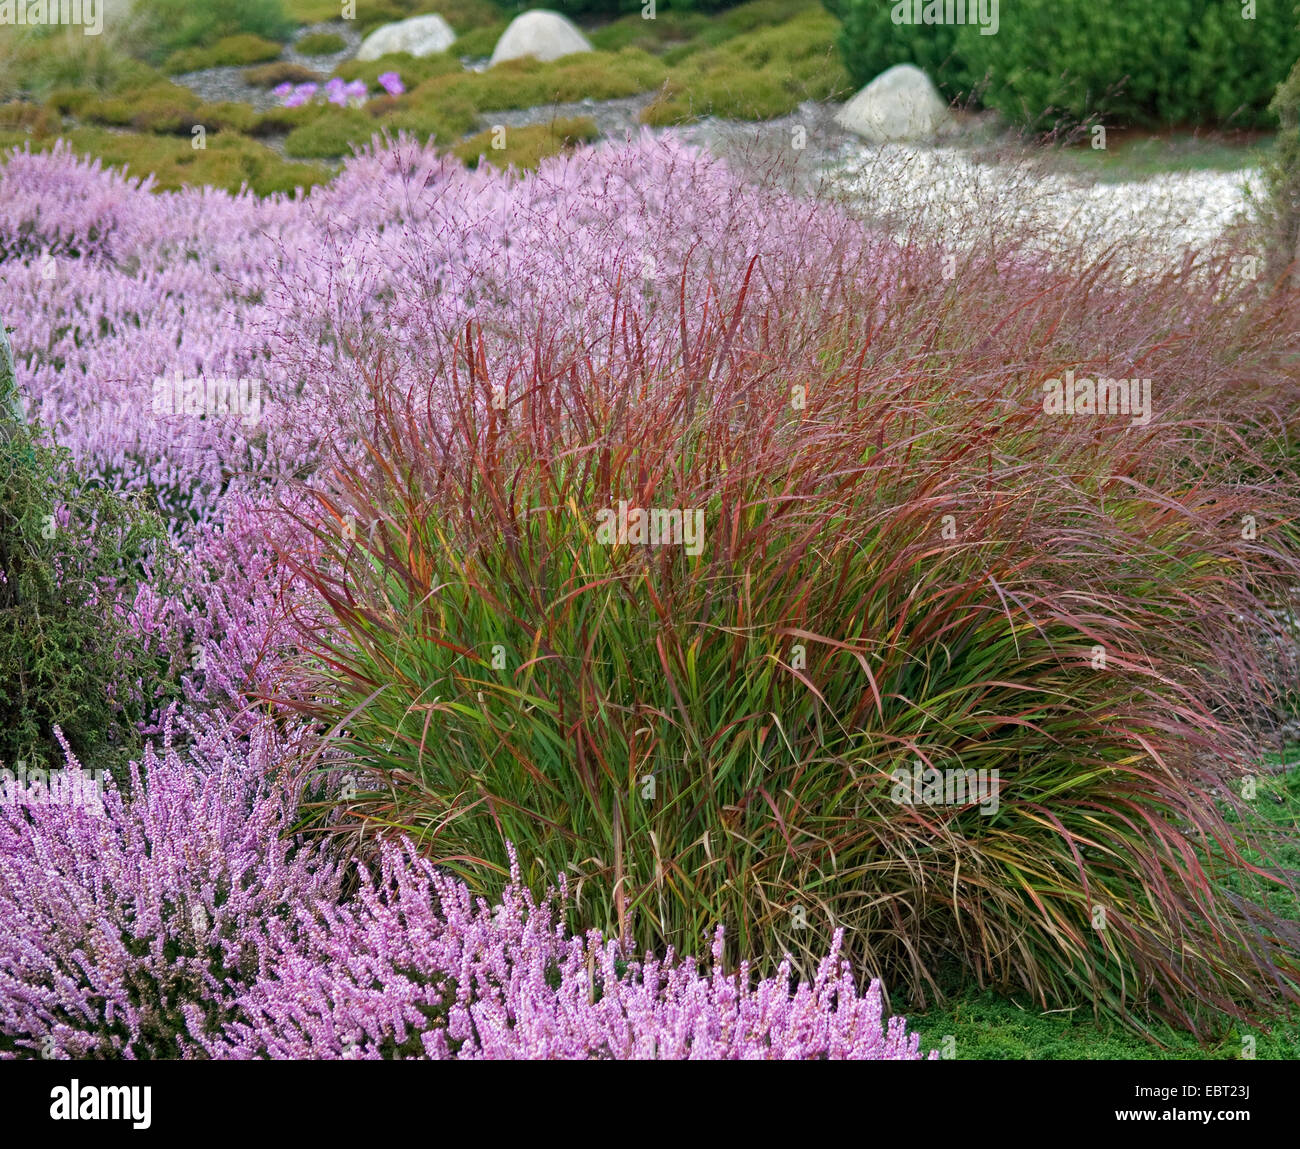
{"x":391,"y":82}
{"x":336,"y":91}
{"x":281,"y":90}
{"x":356,"y":90}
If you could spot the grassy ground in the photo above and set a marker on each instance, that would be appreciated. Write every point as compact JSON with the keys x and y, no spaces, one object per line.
{"x":1139,"y":155}
{"x":984,"y":1026}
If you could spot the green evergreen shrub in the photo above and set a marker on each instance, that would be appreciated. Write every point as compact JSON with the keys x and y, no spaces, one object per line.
{"x":1140,"y":62}
{"x":71,"y":558}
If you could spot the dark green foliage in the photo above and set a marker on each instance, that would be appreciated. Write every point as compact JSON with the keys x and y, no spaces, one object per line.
{"x":1131,"y":61}
{"x":68,"y":556}
{"x":169,"y":25}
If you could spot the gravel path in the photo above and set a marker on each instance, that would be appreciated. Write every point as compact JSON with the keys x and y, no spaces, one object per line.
{"x":1147,"y":226}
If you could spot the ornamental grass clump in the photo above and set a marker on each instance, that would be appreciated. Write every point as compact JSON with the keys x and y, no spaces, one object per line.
{"x":682,"y":604}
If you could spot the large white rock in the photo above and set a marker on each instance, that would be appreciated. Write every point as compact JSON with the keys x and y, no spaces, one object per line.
{"x":418,"y":36}
{"x":545,"y":35}
{"x":899,"y":104}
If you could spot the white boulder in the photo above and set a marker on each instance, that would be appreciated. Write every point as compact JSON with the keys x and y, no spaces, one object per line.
{"x":541,"y":34}
{"x":899,"y":104}
{"x":418,"y":36}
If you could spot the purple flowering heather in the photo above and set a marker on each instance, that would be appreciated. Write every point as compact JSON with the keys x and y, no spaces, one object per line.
{"x":414,"y":968}
{"x":182,"y":923}
{"x":129,"y":933}
{"x":391,"y":82}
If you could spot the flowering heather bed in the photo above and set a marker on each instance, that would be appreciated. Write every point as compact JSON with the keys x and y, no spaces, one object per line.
{"x":399,"y":614}
{"x":184,"y":923}
{"x":186,"y":919}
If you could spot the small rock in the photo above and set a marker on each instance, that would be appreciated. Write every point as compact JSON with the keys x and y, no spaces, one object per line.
{"x":899,"y":104}
{"x":541,"y":34}
{"x":418,"y":36}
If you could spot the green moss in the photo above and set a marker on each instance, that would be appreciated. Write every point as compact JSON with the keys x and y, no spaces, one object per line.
{"x":524,"y":148}
{"x":32,"y":119}
{"x":479,"y":43}
{"x":164,"y":107}
{"x":69,"y":101}
{"x":280,"y":121}
{"x":228,"y":161}
{"x":321,"y":44}
{"x":226,"y":117}
{"x":311,"y":11}
{"x":528,"y":83}
{"x":462,"y":15}
{"x":226,"y":52}
{"x":332,"y":135}
{"x":448,"y":122}
{"x":279,"y":72}
{"x":756,"y":74}
{"x":667,"y":30}
{"x":413,"y":70}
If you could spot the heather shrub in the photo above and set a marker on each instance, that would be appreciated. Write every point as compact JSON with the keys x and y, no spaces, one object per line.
{"x":417,"y":969}
{"x":909,"y":564}
{"x":130,"y":931}
{"x":230,"y":162}
{"x":185,"y":923}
